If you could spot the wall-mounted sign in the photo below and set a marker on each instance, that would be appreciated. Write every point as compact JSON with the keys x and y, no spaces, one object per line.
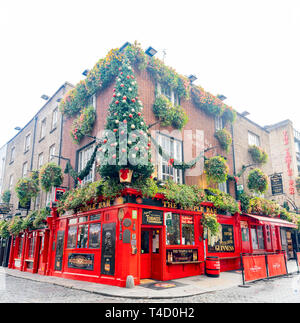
{"x":223,"y":241}
{"x":182,"y":255}
{"x":152,"y":217}
{"x":59,"y":192}
{"x":81,"y":261}
{"x":276,"y":184}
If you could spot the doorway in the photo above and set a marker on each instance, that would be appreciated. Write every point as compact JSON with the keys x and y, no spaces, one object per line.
{"x":151,"y":262}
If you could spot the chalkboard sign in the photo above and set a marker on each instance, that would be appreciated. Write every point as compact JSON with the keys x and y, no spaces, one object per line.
{"x":182,"y":255}
{"x":276,"y":184}
{"x":81,"y":261}
{"x":152,"y":217}
{"x":108,"y":249}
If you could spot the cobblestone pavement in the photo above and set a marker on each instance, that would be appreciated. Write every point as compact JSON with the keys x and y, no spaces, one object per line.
{"x":278,"y":290}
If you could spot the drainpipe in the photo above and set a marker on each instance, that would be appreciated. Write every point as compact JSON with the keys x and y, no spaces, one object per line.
{"x":233,"y":159}
{"x":33,"y":142}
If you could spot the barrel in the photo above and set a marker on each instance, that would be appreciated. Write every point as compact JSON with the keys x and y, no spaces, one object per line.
{"x":212,"y":265}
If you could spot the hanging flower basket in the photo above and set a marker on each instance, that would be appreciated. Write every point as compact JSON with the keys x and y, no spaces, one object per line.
{"x":257,"y":181}
{"x":125,"y":175}
{"x":50,"y":176}
{"x":216,"y":169}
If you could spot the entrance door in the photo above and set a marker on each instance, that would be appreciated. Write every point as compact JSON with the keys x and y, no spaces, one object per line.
{"x":151,"y":253}
{"x":41,"y":250}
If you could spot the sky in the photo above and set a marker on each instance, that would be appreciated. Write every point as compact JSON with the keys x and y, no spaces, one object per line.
{"x":247,"y":50}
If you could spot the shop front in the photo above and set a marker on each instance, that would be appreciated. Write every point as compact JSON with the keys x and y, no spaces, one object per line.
{"x":226,"y":244}
{"x":262,"y":234}
{"x":107,"y":241}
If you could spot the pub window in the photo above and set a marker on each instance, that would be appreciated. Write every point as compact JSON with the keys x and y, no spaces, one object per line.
{"x":82,"y":236}
{"x":223,"y":241}
{"x":254,"y":238}
{"x":260,"y":238}
{"x":20,"y":247}
{"x":94,"y":235}
{"x":71,"y":243}
{"x":187,"y":225}
{"x":173,"y":230}
{"x":31,"y":248}
{"x":245,"y":234}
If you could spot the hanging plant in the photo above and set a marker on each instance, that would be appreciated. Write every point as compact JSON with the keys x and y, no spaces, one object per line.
{"x":6,"y":196}
{"x":257,"y":181}
{"x":28,"y":220}
{"x":258,"y":155}
{"x":50,"y":176}
{"x":262,"y":206}
{"x":15,"y":226}
{"x":40,"y":217}
{"x":4,"y":232}
{"x":83,"y":125}
{"x":210,"y":222}
{"x":216,"y":169}
{"x":169,"y":114}
{"x":224,"y":138}
{"x":26,"y":189}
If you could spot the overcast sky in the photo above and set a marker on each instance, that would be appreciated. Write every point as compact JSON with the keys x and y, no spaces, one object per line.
{"x":247,"y":50}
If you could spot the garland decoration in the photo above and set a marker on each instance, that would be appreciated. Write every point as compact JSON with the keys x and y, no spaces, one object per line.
{"x":175,"y":163}
{"x":50,"y":176}
{"x":84,"y":172}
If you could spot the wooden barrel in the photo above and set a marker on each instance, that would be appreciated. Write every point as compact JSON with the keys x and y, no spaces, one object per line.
{"x":212,"y":266}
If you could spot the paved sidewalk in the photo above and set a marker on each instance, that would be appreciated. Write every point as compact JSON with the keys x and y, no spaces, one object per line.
{"x":184,"y":287}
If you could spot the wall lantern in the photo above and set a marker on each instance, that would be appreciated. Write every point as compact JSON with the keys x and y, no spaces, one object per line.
{"x":192,"y":78}
{"x":150,"y":51}
{"x":124,"y":46}
{"x":85,"y":72}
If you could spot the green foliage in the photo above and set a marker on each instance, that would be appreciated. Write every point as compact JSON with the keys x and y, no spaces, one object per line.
{"x":4,"y":232}
{"x":83,"y":125}
{"x":184,"y":195}
{"x":224,"y":138}
{"x":210,"y":221}
{"x":257,"y":181}
{"x":26,"y":189}
{"x":40,"y":217}
{"x":168,"y":114}
{"x":245,"y":201}
{"x":6,"y":196}
{"x":261,"y":206}
{"x":222,"y":201}
{"x":50,"y":176}
{"x":298,"y":185}
{"x":258,"y":155}
{"x":15,"y":226}
{"x":216,"y":169}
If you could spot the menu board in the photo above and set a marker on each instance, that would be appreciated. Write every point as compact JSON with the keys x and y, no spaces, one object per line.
{"x":182,"y":255}
{"x":108,"y":249}
{"x":276,"y":184}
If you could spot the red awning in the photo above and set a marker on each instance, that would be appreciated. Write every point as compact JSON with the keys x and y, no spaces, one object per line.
{"x":274,"y":221}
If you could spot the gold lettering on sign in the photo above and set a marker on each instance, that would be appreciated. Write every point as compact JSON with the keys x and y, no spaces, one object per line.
{"x":95,"y":206}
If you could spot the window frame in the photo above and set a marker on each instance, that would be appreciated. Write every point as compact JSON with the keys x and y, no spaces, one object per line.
{"x":77,"y":223}
{"x":180,"y":232}
{"x":43,"y":128}
{"x":12,"y":154}
{"x":82,"y":161}
{"x":253,"y":139}
{"x":27,"y":142}
{"x":54,"y":118}
{"x":163,"y":170}
{"x":51,"y":153}
{"x":23,"y":167}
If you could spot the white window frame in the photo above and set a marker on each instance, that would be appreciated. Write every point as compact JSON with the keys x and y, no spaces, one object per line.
{"x":51,"y":152}
{"x":253,"y":139}
{"x":40,"y":160}
{"x":219,"y":125}
{"x":84,"y":156}
{"x":172,"y":147}
{"x":27,"y":142}
{"x":54,"y":118}
{"x":223,"y":187}
{"x":11,"y":179}
{"x":169,"y":93}
{"x":12,"y":154}
{"x":25,"y":169}
{"x":92,"y":101}
{"x":43,"y":128}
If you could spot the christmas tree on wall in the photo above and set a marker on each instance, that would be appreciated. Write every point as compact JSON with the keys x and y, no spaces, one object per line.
{"x":126,"y":144}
